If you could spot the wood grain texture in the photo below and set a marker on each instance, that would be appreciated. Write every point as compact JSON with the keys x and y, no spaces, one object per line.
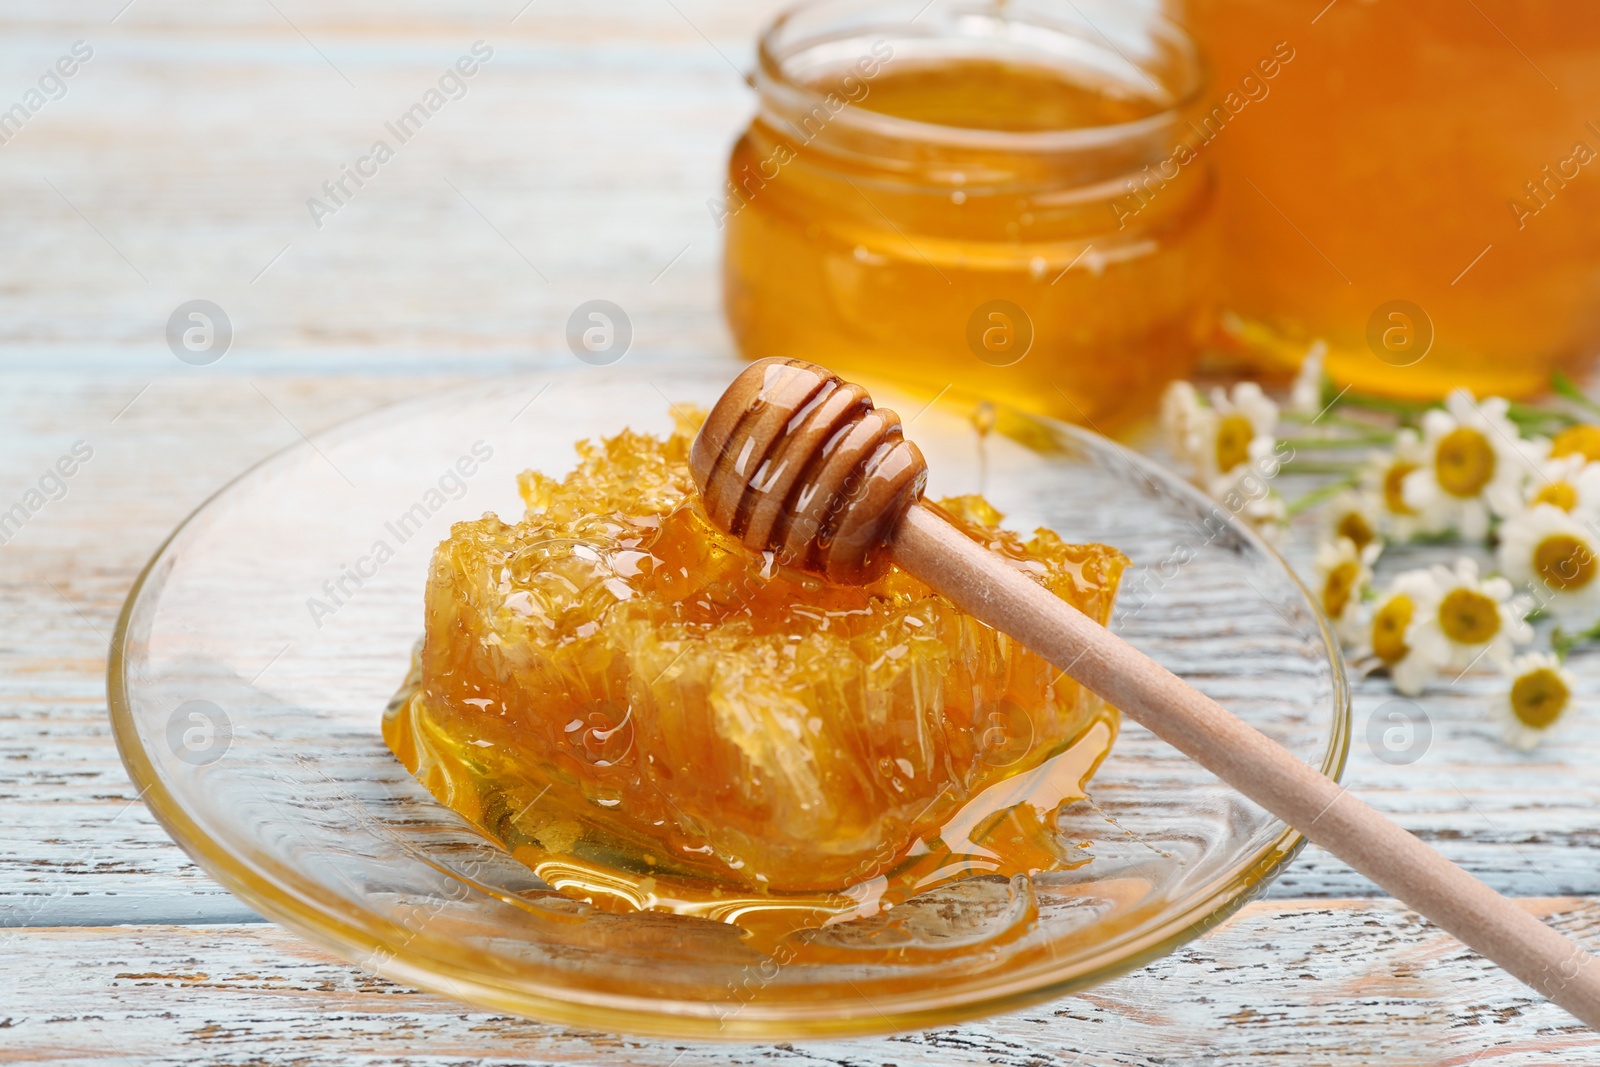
{"x":178,"y":165}
{"x":180,"y":162}
{"x":1340,"y":983}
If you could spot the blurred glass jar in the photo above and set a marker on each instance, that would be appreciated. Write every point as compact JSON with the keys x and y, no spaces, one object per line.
{"x":993,"y":197}
{"x":1421,"y":188}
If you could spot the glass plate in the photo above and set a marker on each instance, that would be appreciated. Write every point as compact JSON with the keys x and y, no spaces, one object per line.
{"x":256,"y":653}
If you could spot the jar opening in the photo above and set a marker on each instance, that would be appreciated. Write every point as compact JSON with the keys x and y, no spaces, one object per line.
{"x":1046,"y":76}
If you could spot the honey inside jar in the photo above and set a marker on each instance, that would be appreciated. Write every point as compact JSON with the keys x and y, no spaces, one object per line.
{"x":1416,"y":183}
{"x":652,"y":717}
{"x":989,"y":94}
{"x":943,"y":202}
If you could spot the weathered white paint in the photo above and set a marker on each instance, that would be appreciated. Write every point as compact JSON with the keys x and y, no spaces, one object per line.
{"x":591,"y":141}
{"x":1334,"y":983}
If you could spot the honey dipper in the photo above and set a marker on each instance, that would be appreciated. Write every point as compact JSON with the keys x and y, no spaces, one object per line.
{"x":795,"y":461}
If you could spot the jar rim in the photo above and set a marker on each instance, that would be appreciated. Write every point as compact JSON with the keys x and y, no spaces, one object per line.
{"x":773,"y":79}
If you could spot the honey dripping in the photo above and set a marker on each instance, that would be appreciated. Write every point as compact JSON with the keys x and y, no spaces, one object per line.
{"x":984,"y":419}
{"x":652,"y":717}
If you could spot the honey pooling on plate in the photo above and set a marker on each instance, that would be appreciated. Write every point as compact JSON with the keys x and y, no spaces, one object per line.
{"x":653,"y":717}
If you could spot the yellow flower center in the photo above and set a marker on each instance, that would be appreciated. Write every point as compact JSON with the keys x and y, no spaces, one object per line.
{"x":1561,"y":494}
{"x":1468,"y":618}
{"x":1389,"y":629}
{"x":1355,"y":526}
{"x":1464,"y":462}
{"x":1393,"y":484}
{"x":1577,"y":441}
{"x":1539,"y":697}
{"x":1336,"y":590}
{"x":1234,"y":435}
{"x":1564,"y":562}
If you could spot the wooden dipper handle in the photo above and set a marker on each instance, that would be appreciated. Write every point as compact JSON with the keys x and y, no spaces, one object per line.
{"x":794,"y":461}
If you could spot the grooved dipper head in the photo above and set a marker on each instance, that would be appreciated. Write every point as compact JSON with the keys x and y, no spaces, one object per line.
{"x":796,"y":461}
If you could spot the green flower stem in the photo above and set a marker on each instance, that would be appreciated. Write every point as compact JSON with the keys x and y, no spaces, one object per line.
{"x":1525,"y":415}
{"x":1443,"y":537}
{"x":1561,"y":385}
{"x":1315,"y":444}
{"x":1364,"y":425}
{"x":1562,"y":642}
{"x":1297,"y":466}
{"x":1367,"y":402}
{"x":1317,"y":496}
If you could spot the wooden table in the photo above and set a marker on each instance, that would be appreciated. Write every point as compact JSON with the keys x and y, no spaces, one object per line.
{"x":178,"y":165}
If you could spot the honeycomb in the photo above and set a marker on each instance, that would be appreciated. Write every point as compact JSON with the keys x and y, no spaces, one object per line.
{"x":651,"y":716}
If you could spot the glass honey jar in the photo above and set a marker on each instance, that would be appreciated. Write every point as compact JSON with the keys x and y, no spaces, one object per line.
{"x":990,"y":197}
{"x":1420,"y":187}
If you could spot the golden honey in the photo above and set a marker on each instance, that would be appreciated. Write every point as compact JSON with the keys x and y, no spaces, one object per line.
{"x":1418,"y":183}
{"x":653,"y":717}
{"x":947,"y":203}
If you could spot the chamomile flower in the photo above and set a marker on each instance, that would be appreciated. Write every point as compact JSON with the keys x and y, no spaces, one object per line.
{"x":1465,"y":618}
{"x":1569,"y":482}
{"x":1384,"y":480}
{"x":1305,"y":395}
{"x":1229,"y":444}
{"x":1237,"y":432}
{"x":1549,"y":549}
{"x":1182,"y":412}
{"x":1581,"y":440}
{"x":1354,"y":515}
{"x":1539,"y":699}
{"x":1475,"y":466}
{"x":1390,"y":626}
{"x":1344,"y":572}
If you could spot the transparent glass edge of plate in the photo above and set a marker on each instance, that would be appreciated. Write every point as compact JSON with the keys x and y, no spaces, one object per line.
{"x":450,"y":972}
